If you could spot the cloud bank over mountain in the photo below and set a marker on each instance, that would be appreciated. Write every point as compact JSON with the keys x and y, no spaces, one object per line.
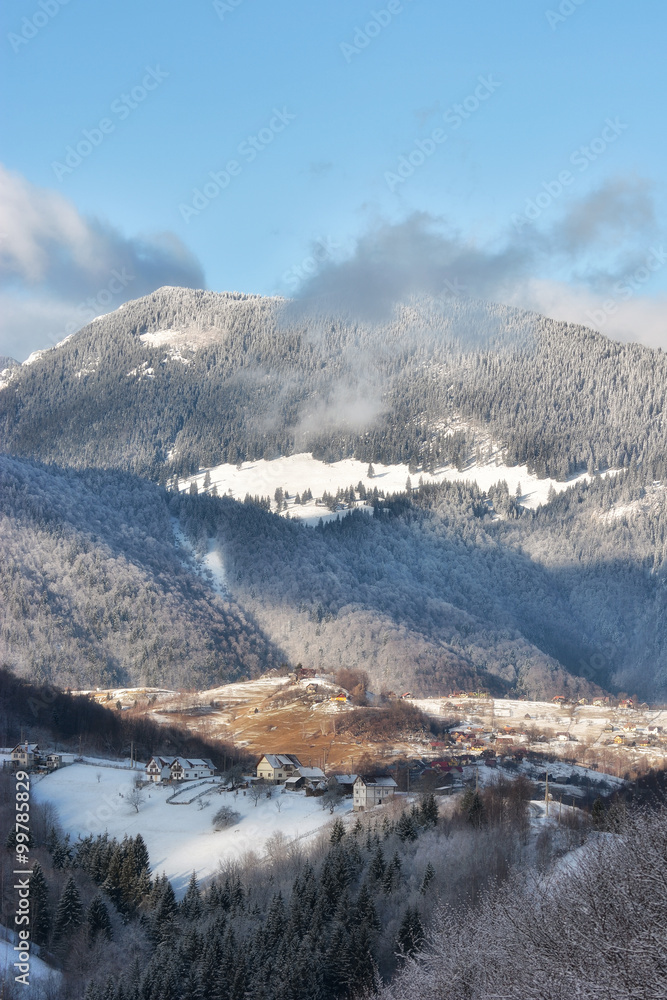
{"x":59,"y":269}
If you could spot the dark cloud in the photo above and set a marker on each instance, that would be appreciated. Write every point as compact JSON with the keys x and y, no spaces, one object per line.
{"x":592,"y":241}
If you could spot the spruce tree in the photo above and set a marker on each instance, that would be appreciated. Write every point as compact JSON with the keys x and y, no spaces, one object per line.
{"x":411,"y":933}
{"x":337,"y":832}
{"x":377,"y":865}
{"x":69,"y":912}
{"x":365,"y":912}
{"x":97,"y":919}
{"x":406,"y":828}
{"x":40,"y":914}
{"x":429,"y":810}
{"x":140,"y":855}
{"x":429,"y":875}
{"x":191,"y":904}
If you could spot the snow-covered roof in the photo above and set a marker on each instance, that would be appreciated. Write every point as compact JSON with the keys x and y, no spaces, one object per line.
{"x":373,"y":780}
{"x":188,"y":763}
{"x":345,"y":779}
{"x":282,"y":759}
{"x":311,"y":772}
{"x":184,"y":762}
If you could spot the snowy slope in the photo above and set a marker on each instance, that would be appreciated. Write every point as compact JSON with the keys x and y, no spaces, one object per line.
{"x":180,"y":838}
{"x":41,"y":975}
{"x":296,"y":473}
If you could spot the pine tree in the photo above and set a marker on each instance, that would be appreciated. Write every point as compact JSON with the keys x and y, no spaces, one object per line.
{"x":406,"y":828}
{"x":475,"y":812}
{"x":362,"y":971}
{"x":365,"y":912}
{"x":337,"y":832}
{"x":191,"y":904}
{"x":429,"y":875}
{"x":40,"y":914}
{"x":69,"y":912}
{"x":140,"y":855}
{"x":371,"y":471}
{"x":97,"y":919}
{"x":377,"y":865}
{"x":429,"y":810}
{"x":411,"y":933}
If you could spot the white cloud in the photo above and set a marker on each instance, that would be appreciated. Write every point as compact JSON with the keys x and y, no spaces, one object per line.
{"x":58,"y":268}
{"x":639,"y":319}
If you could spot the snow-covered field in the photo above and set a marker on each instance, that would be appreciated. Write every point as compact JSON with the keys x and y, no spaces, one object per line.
{"x":296,"y":473}
{"x":180,"y":838}
{"x":41,"y":976}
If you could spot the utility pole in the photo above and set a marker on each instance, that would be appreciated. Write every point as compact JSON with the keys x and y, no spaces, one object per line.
{"x":546,"y":792}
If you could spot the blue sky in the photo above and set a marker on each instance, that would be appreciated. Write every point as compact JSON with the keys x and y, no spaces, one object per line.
{"x":344,"y":99}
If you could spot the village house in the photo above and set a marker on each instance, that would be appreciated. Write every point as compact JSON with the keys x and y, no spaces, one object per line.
{"x":277,"y":767}
{"x":372,"y":791}
{"x":346,"y":782}
{"x":26,"y":755}
{"x":310,"y":778}
{"x":160,"y":769}
{"x":55,"y":759}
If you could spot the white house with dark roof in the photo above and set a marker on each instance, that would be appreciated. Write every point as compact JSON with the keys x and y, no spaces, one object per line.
{"x":370,"y":791}
{"x":161,"y":768}
{"x":278,"y":767}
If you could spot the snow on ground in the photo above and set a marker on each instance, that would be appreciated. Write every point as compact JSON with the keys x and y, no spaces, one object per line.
{"x":296,"y":473}
{"x":180,"y":838}
{"x":213,"y":563}
{"x":41,"y":975}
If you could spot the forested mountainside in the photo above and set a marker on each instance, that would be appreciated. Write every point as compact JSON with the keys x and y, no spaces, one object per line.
{"x":435,"y":592}
{"x":184,"y":379}
{"x":94,"y":589}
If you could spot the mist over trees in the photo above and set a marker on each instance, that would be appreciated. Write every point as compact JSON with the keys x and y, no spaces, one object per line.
{"x":445,"y":587}
{"x":245,"y":377}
